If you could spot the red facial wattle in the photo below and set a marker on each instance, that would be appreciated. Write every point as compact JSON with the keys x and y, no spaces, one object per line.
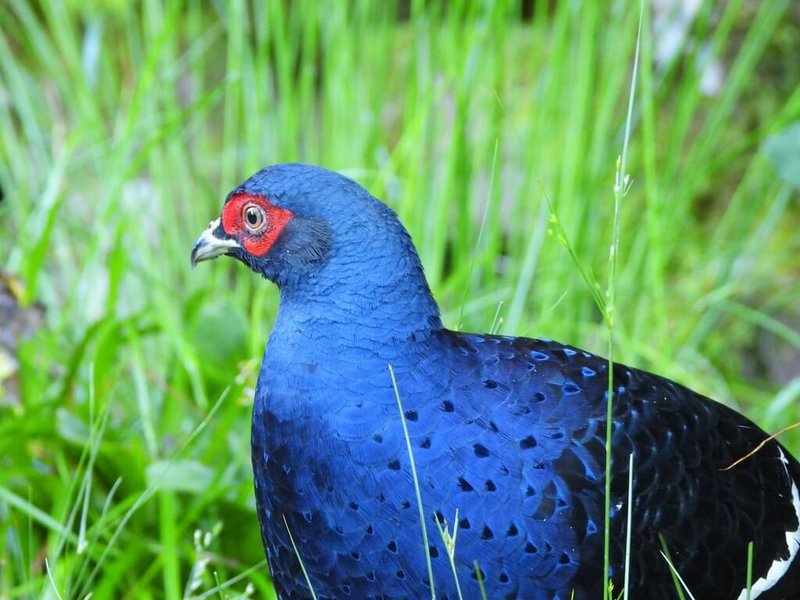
{"x":239,"y":219}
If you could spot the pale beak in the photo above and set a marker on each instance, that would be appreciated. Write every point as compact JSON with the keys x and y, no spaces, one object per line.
{"x":209,"y":246}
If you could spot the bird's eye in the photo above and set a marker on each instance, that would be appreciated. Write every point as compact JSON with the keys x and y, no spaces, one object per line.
{"x":253,"y":217}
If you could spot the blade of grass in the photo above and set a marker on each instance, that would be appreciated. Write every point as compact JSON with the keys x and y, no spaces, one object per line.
{"x":417,"y":491}
{"x":621,"y":187}
{"x":450,"y":547}
{"x":749,"y":581}
{"x":677,"y":580}
{"x":477,"y":248}
{"x":479,"y":578}
{"x":628,"y":529}
{"x":300,"y":560}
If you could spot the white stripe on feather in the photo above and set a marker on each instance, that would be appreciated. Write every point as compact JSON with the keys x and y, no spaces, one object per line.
{"x":779,"y":567}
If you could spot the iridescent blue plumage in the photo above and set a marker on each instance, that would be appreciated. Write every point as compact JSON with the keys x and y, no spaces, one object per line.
{"x":508,"y":434}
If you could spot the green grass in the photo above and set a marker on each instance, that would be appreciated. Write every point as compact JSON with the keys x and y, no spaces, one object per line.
{"x":418,"y":493}
{"x":124,"y":125}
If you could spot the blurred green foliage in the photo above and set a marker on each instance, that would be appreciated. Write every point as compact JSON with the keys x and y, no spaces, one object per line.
{"x":124,"y":125}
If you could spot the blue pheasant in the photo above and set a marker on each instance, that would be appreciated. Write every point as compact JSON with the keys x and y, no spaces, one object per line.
{"x":507,"y":434}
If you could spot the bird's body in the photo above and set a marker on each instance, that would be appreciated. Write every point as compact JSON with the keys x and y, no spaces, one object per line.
{"x":507,"y":435}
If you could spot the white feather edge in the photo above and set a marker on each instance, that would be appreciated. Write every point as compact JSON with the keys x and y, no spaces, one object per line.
{"x":779,"y":567}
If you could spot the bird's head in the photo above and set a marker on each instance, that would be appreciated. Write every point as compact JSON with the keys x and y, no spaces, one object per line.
{"x":332,"y":248}
{"x":278,"y":222}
